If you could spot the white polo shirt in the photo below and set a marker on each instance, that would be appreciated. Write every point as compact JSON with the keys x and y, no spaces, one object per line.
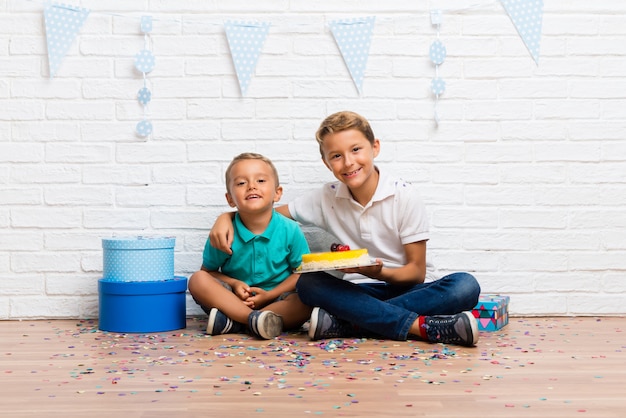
{"x":395,"y":216}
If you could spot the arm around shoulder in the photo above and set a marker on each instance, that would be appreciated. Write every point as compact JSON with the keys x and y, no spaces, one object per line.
{"x":221,"y":234}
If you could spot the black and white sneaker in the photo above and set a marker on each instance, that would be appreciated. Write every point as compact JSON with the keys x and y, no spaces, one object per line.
{"x":219,"y":323}
{"x":265,"y":324}
{"x":324,"y":325}
{"x":460,"y":329}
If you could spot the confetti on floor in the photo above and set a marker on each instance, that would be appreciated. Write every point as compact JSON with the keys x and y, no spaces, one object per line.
{"x":535,"y":364}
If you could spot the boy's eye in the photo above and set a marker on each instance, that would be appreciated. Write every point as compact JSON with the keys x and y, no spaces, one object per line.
{"x":334,"y":156}
{"x":240,"y":183}
{"x":261,"y":180}
{"x":356,"y":149}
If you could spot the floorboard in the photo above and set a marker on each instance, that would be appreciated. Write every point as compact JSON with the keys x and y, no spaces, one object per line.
{"x":534,"y":367}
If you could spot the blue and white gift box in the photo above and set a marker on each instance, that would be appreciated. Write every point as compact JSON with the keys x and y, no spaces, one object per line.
{"x":138,"y":291}
{"x":148,"y":306}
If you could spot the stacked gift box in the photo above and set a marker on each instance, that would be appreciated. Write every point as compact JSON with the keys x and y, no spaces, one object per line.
{"x":138,"y":291}
{"x":491,"y":312}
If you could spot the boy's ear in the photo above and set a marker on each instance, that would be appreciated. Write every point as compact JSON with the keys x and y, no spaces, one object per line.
{"x":278,"y":194}
{"x":230,"y":200}
{"x":376,"y":147}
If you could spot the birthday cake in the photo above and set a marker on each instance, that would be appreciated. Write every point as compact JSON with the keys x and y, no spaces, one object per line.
{"x":340,"y":256}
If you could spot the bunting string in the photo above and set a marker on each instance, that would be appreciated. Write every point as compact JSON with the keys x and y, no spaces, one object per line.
{"x":353,"y":37}
{"x":437,"y":55}
{"x":144,"y":63}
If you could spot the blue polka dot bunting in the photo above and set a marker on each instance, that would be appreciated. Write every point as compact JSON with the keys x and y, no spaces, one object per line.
{"x":146,"y":24}
{"x":145,"y":61}
{"x":144,"y":95}
{"x":62,"y":24}
{"x":245,"y":40}
{"x":527,"y":16}
{"x":354,"y":37}
{"x":438,"y":86}
{"x":437,"y":52}
{"x":144,"y":128}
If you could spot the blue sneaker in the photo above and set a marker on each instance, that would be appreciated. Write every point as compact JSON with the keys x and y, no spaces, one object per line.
{"x":460,"y":329}
{"x":324,"y":325}
{"x":219,"y":323}
{"x":265,"y":324}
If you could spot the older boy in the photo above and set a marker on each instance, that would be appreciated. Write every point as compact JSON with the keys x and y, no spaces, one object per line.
{"x":400,"y":297}
{"x":256,"y":284}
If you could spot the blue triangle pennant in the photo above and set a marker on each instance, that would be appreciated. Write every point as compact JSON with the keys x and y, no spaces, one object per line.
{"x":245,"y":40}
{"x":62,"y":25}
{"x":354,"y":37}
{"x":527,"y":16}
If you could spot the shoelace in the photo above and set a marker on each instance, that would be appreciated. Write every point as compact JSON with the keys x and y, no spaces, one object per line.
{"x":439,"y":329}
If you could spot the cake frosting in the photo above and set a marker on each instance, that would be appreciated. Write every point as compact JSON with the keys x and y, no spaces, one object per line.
{"x":335,"y":259}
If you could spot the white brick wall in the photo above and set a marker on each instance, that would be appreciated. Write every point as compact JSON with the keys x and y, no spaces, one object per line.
{"x":525,"y":177}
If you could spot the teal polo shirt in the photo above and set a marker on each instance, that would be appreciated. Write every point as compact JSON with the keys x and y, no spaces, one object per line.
{"x":263,"y":260}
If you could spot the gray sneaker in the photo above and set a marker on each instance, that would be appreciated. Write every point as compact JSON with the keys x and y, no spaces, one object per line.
{"x":219,"y":323}
{"x":265,"y":324}
{"x":324,"y":325}
{"x":460,"y":329}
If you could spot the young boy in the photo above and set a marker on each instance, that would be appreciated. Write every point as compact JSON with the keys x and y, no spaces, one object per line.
{"x":255,"y":284}
{"x":398,"y":298}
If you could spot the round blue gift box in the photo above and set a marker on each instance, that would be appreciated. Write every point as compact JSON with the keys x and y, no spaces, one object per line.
{"x":149,"y":306}
{"x":131,"y":259}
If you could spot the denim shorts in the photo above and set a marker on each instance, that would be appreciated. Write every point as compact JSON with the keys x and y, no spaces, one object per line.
{"x":282,"y":296}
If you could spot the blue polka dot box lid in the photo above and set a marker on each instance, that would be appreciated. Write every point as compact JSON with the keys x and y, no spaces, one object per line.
{"x":138,"y":242}
{"x":138,"y":258}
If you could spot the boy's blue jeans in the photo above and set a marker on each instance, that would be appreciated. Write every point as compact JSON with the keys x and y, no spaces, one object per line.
{"x":388,"y":310}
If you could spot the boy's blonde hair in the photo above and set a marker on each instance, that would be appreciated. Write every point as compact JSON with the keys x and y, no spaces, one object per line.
{"x":342,"y":121}
{"x":250,"y":156}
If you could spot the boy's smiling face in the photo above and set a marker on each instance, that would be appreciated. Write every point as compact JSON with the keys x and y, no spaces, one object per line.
{"x":350,"y":156}
{"x":252,"y":187}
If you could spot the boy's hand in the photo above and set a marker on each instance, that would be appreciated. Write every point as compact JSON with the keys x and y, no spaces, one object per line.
{"x":369,"y":271}
{"x":258,"y":298}
{"x":241,"y":289}
{"x":221,"y":235}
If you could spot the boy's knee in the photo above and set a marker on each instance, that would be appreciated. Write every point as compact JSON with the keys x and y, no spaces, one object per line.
{"x":299,"y":284}
{"x":195,"y":282}
{"x":303,"y":283}
{"x":472,"y":282}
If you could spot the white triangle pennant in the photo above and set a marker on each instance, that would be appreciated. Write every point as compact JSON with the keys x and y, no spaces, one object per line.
{"x":354,"y":37}
{"x":527,"y":16}
{"x":245,"y":40}
{"x":62,"y":25}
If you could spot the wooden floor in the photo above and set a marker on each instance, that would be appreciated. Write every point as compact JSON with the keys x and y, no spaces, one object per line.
{"x":534,"y":367}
